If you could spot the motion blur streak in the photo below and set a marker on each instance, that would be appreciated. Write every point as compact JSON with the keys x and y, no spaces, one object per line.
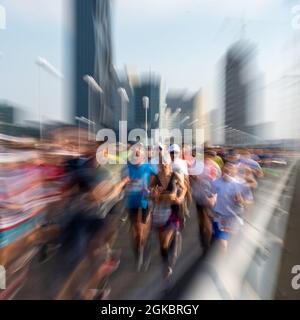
{"x":169,"y":214}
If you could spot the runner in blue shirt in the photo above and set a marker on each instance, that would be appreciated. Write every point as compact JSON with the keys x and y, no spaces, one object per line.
{"x":138,"y":191}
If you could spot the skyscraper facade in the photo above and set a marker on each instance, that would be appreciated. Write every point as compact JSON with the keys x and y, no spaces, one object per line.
{"x":93,"y":56}
{"x":239,"y":85}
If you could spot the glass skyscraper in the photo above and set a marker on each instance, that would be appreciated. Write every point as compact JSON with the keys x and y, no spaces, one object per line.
{"x":93,"y":56}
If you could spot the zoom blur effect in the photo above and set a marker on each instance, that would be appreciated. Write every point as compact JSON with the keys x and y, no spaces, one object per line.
{"x":139,"y":139}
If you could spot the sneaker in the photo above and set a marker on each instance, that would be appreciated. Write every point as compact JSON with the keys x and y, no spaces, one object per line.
{"x":124,"y":219}
{"x":168,"y":273}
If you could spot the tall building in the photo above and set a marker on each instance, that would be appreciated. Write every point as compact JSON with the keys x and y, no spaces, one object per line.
{"x":7,"y":115}
{"x":240,"y":85}
{"x":283,"y":98}
{"x":216,"y":131}
{"x":93,"y":56}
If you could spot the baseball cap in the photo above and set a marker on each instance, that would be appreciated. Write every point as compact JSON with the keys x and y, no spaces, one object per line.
{"x":174,"y":148}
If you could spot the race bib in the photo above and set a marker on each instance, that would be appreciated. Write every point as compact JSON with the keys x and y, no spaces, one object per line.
{"x":135,"y":186}
{"x":161,"y":215}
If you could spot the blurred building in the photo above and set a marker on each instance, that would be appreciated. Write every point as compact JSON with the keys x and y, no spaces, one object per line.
{"x":216,"y":128}
{"x":179,"y":110}
{"x":119,"y":102}
{"x":93,"y":56}
{"x":9,"y":113}
{"x":242,"y":87}
{"x":201,"y":115}
{"x":7,"y":118}
{"x":263,"y":131}
{"x":185,"y":111}
{"x":283,"y":98}
{"x":151,"y":87}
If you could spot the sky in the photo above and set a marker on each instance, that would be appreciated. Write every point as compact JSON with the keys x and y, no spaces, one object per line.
{"x":34,"y":28}
{"x":182,"y":40}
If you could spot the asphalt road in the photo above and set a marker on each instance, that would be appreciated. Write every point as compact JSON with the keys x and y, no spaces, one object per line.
{"x":126,"y":283}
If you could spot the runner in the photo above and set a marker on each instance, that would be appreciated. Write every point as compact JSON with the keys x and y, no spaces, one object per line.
{"x":246,"y":159}
{"x":211,"y":168}
{"x":179,"y":166}
{"x":93,"y":228}
{"x":205,"y":199}
{"x":139,"y":173}
{"x":229,"y":205}
{"x":167,"y":192}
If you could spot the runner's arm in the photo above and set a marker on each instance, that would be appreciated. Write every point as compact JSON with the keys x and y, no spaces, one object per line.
{"x":182,"y":185}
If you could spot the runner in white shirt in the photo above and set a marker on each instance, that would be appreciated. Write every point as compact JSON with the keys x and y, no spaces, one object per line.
{"x":178,"y":164}
{"x":180,"y":167}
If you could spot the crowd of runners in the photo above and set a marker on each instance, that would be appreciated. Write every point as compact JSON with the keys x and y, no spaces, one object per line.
{"x":58,"y":200}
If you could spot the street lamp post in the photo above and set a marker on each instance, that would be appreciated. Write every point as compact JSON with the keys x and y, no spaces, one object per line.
{"x":193,"y":122}
{"x":85,"y":121}
{"x":92,"y":84}
{"x":48,"y":67}
{"x":146,"y":107}
{"x":79,"y":120}
{"x":124,"y":101}
{"x":157,"y":126}
{"x":89,"y":108}
{"x":89,"y":122}
{"x":184,"y":119}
